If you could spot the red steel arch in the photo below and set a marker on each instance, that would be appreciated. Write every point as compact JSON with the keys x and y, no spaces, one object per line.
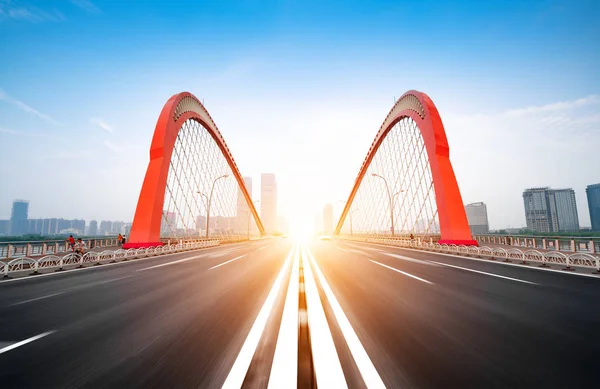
{"x":145,"y":231}
{"x":454,"y":226}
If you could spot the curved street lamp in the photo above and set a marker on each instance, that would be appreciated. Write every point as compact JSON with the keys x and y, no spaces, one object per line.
{"x":209,"y":201}
{"x":390,"y":197}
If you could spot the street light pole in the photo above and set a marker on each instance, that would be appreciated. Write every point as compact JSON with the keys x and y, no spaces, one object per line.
{"x":351,"y":212}
{"x":390,"y":197}
{"x":210,"y":201}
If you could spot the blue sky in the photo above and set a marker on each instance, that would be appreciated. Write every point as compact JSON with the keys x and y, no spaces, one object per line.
{"x":298,"y":88}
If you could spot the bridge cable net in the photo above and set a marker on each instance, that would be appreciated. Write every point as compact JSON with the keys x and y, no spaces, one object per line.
{"x":397,"y":189}
{"x":201,"y":186}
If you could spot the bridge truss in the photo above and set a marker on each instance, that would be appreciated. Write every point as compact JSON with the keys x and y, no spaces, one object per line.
{"x":406,"y":185}
{"x":192,"y":188}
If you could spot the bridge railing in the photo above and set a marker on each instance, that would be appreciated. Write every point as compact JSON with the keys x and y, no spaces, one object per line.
{"x":519,"y":255}
{"x":558,"y":243}
{"x":73,"y":260}
{"x":37,"y":248}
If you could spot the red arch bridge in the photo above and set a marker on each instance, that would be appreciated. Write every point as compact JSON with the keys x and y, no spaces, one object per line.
{"x":406,"y":186}
{"x":375,"y":308}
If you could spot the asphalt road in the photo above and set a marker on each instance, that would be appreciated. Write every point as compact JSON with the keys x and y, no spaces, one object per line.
{"x":369,"y":316}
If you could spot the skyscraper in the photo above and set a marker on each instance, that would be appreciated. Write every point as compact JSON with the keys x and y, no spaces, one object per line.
{"x":478,"y":218}
{"x":18,"y":217}
{"x":243,"y":211}
{"x":93,"y":229}
{"x":550,"y":210}
{"x":328,"y":219}
{"x":593,"y":198}
{"x":566,"y":210}
{"x":268,"y":202}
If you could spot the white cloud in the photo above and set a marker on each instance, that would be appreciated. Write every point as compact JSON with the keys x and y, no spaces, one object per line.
{"x":13,"y":10}
{"x":102,"y":124}
{"x":87,"y":6}
{"x":111,"y":146}
{"x":497,"y":156}
{"x":24,"y":107}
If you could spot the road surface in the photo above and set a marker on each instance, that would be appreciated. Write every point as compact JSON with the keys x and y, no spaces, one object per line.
{"x":273,"y":313}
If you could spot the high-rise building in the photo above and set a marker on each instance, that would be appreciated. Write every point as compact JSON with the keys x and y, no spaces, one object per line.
{"x":593,"y":198}
{"x":168,"y":225}
{"x":78,"y":225}
{"x":93,"y":228}
{"x":117,"y":228}
{"x":478,"y":218}
{"x":566,"y":210}
{"x":328,"y":219}
{"x":268,"y":202}
{"x":550,"y":210}
{"x":4,"y":227}
{"x":243,"y":211}
{"x":18,"y":217}
{"x":105,"y":227}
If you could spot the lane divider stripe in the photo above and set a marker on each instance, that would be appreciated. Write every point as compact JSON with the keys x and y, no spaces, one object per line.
{"x":226,"y":262}
{"x":284,"y":370}
{"x":403,"y":272}
{"x":23,"y":342}
{"x":327,"y":365}
{"x":172,"y":263}
{"x":238,"y":371}
{"x":361,"y":358}
{"x":486,"y":273}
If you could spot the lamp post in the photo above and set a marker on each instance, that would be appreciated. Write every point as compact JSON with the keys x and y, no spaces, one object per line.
{"x":390,"y":197}
{"x":349,"y":214}
{"x":210,"y":200}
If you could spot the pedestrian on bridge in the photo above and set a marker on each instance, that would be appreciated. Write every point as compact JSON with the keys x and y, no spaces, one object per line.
{"x":71,"y":241}
{"x":120,"y":240}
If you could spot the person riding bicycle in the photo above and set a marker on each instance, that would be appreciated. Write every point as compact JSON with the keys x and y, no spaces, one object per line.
{"x":80,"y":247}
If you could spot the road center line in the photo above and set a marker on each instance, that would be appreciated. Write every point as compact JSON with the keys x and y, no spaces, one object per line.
{"x":486,"y":273}
{"x":343,"y":249}
{"x":238,"y":371}
{"x":172,"y":263}
{"x":284,"y":370}
{"x":403,"y":272}
{"x":36,"y":299}
{"x":23,"y":342}
{"x":328,"y":368}
{"x":361,"y":358}
{"x":226,"y":262}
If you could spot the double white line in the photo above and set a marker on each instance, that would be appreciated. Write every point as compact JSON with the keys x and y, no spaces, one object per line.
{"x":327,"y":366}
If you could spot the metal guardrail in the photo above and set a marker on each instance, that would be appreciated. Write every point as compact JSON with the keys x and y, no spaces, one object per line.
{"x":508,"y":255}
{"x":10,"y":250}
{"x":96,"y":258}
{"x":559,"y":243}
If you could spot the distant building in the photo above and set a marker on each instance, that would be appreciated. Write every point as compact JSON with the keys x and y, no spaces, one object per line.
{"x":593,"y":198}
{"x":4,"y":227}
{"x":478,"y":218}
{"x":78,"y":226}
{"x":268,"y":202}
{"x":105,"y":227}
{"x":328,"y":219}
{"x":566,"y":210}
{"x":168,"y":225}
{"x":93,"y":228}
{"x":117,"y":228}
{"x":550,"y":210}
{"x":18,"y":217}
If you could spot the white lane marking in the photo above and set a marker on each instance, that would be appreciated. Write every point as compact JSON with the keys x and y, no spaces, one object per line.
{"x":238,"y":371}
{"x":36,"y":299}
{"x":343,"y":249}
{"x":262,"y":248}
{"x":403,"y":272}
{"x":23,"y":342}
{"x":486,"y":273}
{"x":284,"y":370}
{"x":328,"y":368}
{"x":361,"y":358}
{"x":367,"y":248}
{"x":172,"y":263}
{"x":408,"y":259}
{"x":226,"y":262}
